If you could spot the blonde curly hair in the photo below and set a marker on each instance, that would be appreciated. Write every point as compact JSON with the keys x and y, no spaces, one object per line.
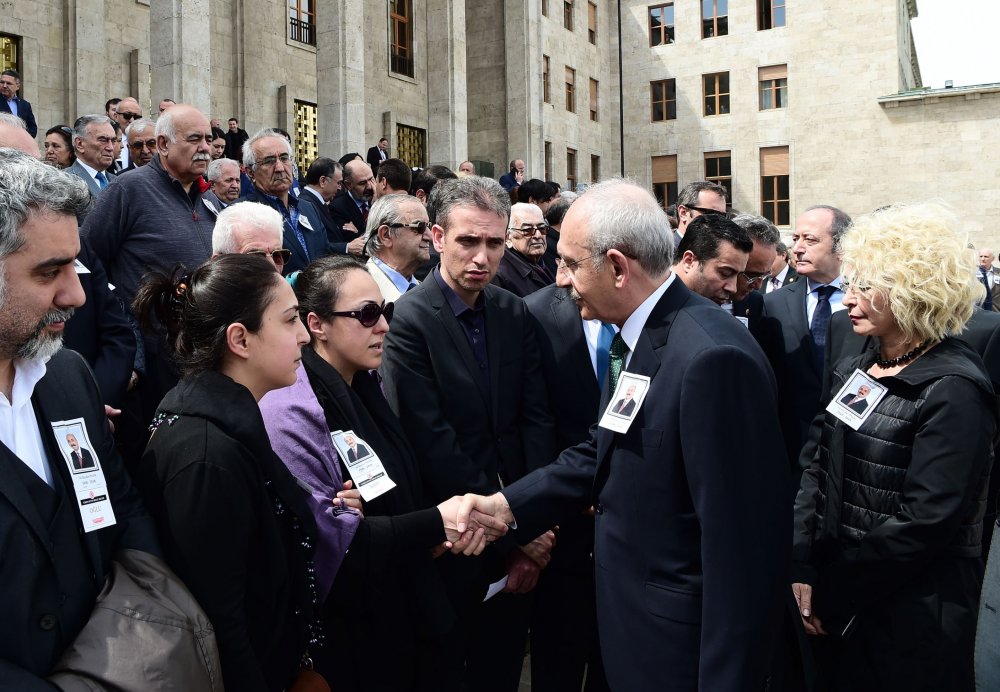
{"x":915,"y":259}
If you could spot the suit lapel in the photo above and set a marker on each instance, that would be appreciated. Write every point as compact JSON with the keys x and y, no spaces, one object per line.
{"x":566,"y":316}
{"x":17,"y":495}
{"x":493,"y":353}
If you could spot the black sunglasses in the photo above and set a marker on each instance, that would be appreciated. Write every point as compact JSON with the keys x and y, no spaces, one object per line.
{"x":279,"y":256}
{"x":130,"y":116}
{"x":368,"y":315}
{"x":704,"y":210}
{"x":416,"y":226}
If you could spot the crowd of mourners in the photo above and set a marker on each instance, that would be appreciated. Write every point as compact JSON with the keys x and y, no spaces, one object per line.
{"x":370,"y":427}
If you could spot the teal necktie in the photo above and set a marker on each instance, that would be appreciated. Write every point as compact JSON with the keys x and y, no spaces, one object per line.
{"x":616,"y":360}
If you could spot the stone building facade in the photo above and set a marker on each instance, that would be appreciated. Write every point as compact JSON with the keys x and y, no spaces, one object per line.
{"x":785,"y":101}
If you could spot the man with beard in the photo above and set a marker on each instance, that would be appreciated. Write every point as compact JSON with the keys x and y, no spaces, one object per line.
{"x":462,"y":370}
{"x":398,"y":240}
{"x":521,"y":270}
{"x":350,"y":207}
{"x":711,"y":255}
{"x":46,"y":600}
{"x":268,"y":159}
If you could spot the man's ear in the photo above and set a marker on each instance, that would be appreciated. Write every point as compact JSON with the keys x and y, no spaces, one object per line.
{"x":619,"y":266}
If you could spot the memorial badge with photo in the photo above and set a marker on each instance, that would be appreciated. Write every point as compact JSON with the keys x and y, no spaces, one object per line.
{"x":625,"y":402}
{"x":363,"y":464}
{"x":856,"y":400}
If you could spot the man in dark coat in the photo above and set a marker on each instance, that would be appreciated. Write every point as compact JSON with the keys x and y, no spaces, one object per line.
{"x":235,"y":138}
{"x":10,"y":84}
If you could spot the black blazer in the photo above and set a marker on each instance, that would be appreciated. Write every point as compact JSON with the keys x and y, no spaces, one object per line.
{"x":48,"y":592}
{"x":344,"y":210}
{"x":519,"y":276}
{"x":374,"y":158}
{"x":317,"y":244}
{"x":320,"y":210}
{"x":669,"y":535}
{"x":24,"y":112}
{"x":100,"y":331}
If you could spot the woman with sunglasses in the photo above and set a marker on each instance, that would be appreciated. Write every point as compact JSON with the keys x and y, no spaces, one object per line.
{"x":59,"y":147}
{"x":385,"y":590}
{"x":236,"y":527}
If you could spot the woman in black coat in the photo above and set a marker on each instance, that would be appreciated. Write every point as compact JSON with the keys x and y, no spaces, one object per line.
{"x":888,"y":519}
{"x":234,"y":524}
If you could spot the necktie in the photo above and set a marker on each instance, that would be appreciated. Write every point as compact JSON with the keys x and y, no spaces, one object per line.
{"x":616,"y":360}
{"x":775,"y":284}
{"x":102,"y":180}
{"x":604,"y":339}
{"x":821,"y":318}
{"x":987,"y":303}
{"x":364,"y":214}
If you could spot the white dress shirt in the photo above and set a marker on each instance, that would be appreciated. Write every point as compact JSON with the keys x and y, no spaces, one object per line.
{"x":92,"y":172}
{"x":774,"y":283}
{"x":18,"y":425}
{"x":592,"y":335}
{"x":836,"y":298}
{"x":633,"y":326}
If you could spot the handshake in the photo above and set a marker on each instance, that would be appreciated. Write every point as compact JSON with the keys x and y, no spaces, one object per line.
{"x":473,"y":521}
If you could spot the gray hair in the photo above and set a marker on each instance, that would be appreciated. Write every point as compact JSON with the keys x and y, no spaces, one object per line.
{"x":760,"y":230}
{"x":165,"y":126}
{"x":625,"y":217}
{"x":214,"y":171}
{"x":84,"y":121}
{"x":838,"y":227}
{"x":28,"y":186}
{"x":249,"y":158}
{"x":688,"y":196}
{"x":13,"y":121}
{"x":484,"y":194}
{"x":140,"y":125}
{"x":385,"y":210}
{"x":241,"y":215}
{"x":517,"y":211}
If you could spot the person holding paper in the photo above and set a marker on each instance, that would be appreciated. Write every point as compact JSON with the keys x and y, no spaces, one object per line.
{"x":889,"y":517}
{"x":378,"y":569}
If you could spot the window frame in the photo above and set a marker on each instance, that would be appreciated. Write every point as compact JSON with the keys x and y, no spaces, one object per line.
{"x":401,"y":49}
{"x":715,"y":20}
{"x":669,"y":84}
{"x":769,"y":85}
{"x":720,"y":97}
{"x":571,"y":170}
{"x":766,"y":12}
{"x":664,"y":29}
{"x":299,"y":29}
{"x":546,"y":77}
{"x":592,"y":22}
{"x":570,"y":89}
{"x":719,"y":178}
{"x":568,"y":14}
{"x":595,"y":96}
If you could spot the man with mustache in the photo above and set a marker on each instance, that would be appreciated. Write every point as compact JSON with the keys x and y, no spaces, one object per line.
{"x":152,"y":220}
{"x":47,"y":599}
{"x":268,"y":159}
{"x":521,"y":270}
{"x":711,"y":256}
{"x":398,"y":241}
{"x":141,"y":136}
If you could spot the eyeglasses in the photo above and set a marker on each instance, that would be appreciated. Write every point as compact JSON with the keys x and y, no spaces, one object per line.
{"x":529,"y":229}
{"x":368,"y":315}
{"x":280,"y":256}
{"x":149,"y":144}
{"x":417,"y":227}
{"x":130,"y":116}
{"x":754,"y":279}
{"x":269,"y":161}
{"x":706,"y":210}
{"x":562,"y":264}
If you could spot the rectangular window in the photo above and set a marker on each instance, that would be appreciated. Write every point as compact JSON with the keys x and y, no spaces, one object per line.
{"x":595,"y":168}
{"x":714,"y":18}
{"x":774,"y":185}
{"x":548,"y":160}
{"x":592,"y":23}
{"x":306,"y":134}
{"x":401,"y":37}
{"x":663,"y":100}
{"x":571,"y":169}
{"x":719,"y":169}
{"x":411,"y":145}
{"x":568,"y":14}
{"x":545,"y":8}
{"x":594,"y":87}
{"x":773,"y":87}
{"x":716,"y":93}
{"x":665,"y":180}
{"x":661,"y":24}
{"x":9,"y":56}
{"x":571,"y":90}
{"x":302,"y":21}
{"x":770,"y":14}
{"x":545,"y":78}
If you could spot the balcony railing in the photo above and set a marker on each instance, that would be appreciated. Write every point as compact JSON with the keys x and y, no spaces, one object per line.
{"x":303,"y":32}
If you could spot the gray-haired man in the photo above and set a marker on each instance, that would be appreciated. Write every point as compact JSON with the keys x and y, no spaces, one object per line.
{"x":398,"y":241}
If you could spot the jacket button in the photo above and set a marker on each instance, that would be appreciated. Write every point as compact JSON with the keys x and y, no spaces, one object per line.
{"x":599,"y":508}
{"x":47,"y":622}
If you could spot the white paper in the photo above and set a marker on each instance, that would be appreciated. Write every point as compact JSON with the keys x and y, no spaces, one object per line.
{"x":89,"y":485}
{"x":495,"y":588}
{"x":856,"y":400}
{"x":363,"y":464}
{"x":625,"y":403}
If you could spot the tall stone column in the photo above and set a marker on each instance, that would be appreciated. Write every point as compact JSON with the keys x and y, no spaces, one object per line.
{"x":85,"y":58}
{"x":340,"y":77}
{"x":447,"y":98}
{"x":180,"y":52}
{"x":523,"y":49}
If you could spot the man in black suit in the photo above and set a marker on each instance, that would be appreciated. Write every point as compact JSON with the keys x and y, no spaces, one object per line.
{"x":691,"y":571}
{"x":796,"y":319}
{"x":564,"y":644}
{"x":80,"y":457}
{"x":711,"y":256}
{"x":782,"y":271}
{"x":355,"y":451}
{"x":463,"y":372}
{"x":323,"y":182}
{"x":626,"y":404}
{"x":748,"y":301}
{"x":857,"y":402}
{"x":377,"y":154}
{"x":696,"y":199}
{"x":46,"y":600}
{"x":10,"y":84}
{"x":349,"y":208}
{"x":521,"y":270}
{"x":236,"y":137}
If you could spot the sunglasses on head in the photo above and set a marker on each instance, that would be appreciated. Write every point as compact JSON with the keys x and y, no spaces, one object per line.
{"x":369,"y":314}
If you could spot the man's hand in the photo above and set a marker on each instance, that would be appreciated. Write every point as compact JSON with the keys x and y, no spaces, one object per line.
{"x":518,"y":177}
{"x":522,"y":573}
{"x":540,"y":549}
{"x":470,"y":541}
{"x":350,"y":498}
{"x":803,"y":598}
{"x":111,"y":412}
{"x":491,"y":528}
{"x":493,"y":513}
{"x":357,"y":246}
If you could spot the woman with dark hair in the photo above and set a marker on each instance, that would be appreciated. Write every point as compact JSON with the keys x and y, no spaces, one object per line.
{"x":384,"y":585}
{"x":59,"y":147}
{"x":235,"y":525}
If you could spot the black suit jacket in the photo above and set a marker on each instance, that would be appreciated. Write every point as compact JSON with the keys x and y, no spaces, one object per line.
{"x":858,"y":406}
{"x":24,"y":112}
{"x":374,"y":158}
{"x":518,"y":275}
{"x":344,"y":210}
{"x":44,"y":601}
{"x":334,"y":233}
{"x":84,"y":461}
{"x":669,"y":535}
{"x":360,"y":454}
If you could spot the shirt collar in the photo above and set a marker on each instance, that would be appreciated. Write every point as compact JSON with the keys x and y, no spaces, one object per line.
{"x":91,"y":171}
{"x":813,"y":285}
{"x":781,"y":275}
{"x":316,"y":194}
{"x":457,"y":305}
{"x":637,"y":320}
{"x":398,"y":280}
{"x":27,"y":374}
